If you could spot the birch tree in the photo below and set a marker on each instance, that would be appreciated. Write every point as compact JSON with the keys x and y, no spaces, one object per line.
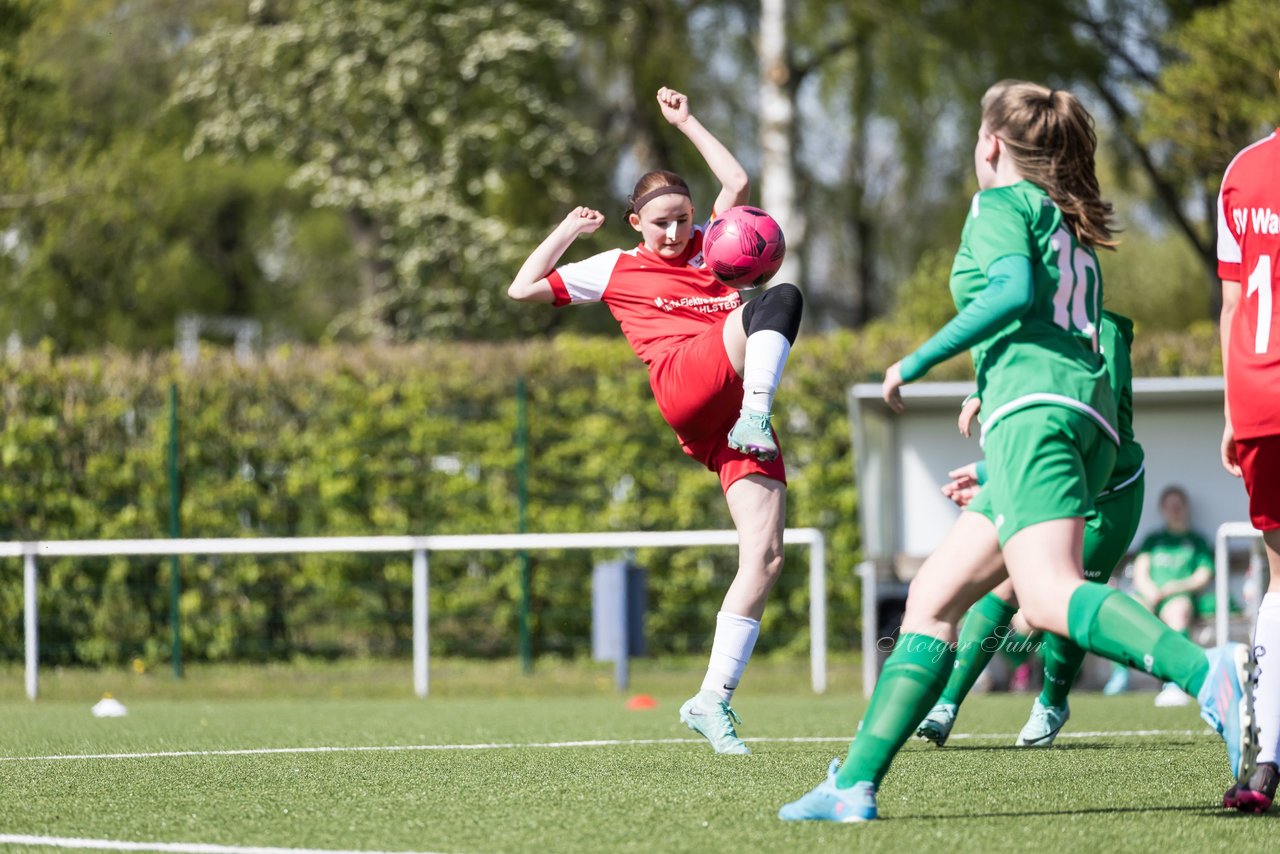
{"x":777,"y":131}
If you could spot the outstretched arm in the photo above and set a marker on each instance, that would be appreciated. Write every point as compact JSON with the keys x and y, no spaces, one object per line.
{"x":530,"y":283}
{"x":1010,"y":291}
{"x":728,"y":171}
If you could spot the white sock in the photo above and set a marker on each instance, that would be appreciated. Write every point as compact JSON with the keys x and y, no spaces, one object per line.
{"x":730,"y":652}
{"x":766,"y":356}
{"x":1266,"y":701}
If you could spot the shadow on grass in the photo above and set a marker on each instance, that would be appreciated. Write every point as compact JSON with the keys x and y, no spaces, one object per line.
{"x":1162,"y":747}
{"x":1188,"y":809}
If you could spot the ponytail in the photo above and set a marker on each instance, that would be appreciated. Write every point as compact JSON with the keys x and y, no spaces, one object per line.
{"x":1050,"y":137}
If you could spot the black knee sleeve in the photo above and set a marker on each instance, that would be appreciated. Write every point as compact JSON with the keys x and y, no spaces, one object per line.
{"x":779,"y":308}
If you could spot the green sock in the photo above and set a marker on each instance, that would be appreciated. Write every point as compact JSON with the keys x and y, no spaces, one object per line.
{"x":1062,"y":662}
{"x":908,"y":687}
{"x":1107,"y":622}
{"x":981,"y":634}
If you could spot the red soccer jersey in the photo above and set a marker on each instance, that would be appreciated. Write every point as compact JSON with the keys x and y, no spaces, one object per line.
{"x":658,"y":302}
{"x":1249,"y":253}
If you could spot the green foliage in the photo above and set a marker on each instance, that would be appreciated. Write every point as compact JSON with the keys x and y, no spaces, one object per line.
{"x":111,"y":234}
{"x":145,"y":238}
{"x":384,"y":167}
{"x":923,"y":302}
{"x":1195,"y":352}
{"x":390,"y":441}
{"x":1158,"y":282}
{"x":445,"y":131}
{"x":1222,"y":92}
{"x":413,"y":440}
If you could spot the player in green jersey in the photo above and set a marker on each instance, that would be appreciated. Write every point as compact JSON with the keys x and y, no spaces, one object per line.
{"x":1106,"y":540}
{"x":1173,"y":563}
{"x":1028,"y":290}
{"x":1173,"y":566}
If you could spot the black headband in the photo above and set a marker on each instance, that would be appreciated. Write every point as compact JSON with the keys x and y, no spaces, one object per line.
{"x":637,"y":204}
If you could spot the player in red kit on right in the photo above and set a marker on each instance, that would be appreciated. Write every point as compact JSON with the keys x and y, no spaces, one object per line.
{"x":1249,"y":266}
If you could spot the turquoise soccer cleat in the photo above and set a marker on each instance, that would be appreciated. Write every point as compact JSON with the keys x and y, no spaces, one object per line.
{"x":753,"y":435}
{"x":1226,"y":704}
{"x":1043,"y":725}
{"x":825,"y":802}
{"x":1118,"y":683}
{"x":936,"y":726}
{"x":712,"y":718}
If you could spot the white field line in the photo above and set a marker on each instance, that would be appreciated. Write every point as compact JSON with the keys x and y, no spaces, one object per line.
{"x":552,"y":745}
{"x":178,"y":847}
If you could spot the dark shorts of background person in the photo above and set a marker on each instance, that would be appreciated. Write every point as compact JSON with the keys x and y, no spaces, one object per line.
{"x":1108,"y":535}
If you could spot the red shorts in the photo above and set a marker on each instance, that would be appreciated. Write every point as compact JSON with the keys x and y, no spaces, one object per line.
{"x":700,"y":394}
{"x":1260,"y":461}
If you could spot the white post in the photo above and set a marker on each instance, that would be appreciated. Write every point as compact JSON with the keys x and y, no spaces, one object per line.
{"x":622,"y":664}
{"x":818,"y":612}
{"x":870,"y":630}
{"x":32,"y":627}
{"x":421,"y":644}
{"x":1222,"y":574}
{"x":1221,"y":584}
{"x":1255,"y":588}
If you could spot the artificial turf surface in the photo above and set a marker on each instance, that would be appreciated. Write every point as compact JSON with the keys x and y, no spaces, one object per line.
{"x":1100,"y":792}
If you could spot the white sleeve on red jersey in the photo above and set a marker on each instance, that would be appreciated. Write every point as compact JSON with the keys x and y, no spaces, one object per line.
{"x":584,"y":281}
{"x":1228,"y":242}
{"x":1244,"y":172}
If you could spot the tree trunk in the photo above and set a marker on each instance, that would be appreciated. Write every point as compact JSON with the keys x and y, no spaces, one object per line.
{"x":862,"y":288}
{"x":777,"y":132}
{"x":374,"y":274}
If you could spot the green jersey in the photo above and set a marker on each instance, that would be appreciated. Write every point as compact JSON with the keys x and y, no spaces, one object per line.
{"x":1115,"y":335}
{"x":1048,"y":354}
{"x":1176,"y":556}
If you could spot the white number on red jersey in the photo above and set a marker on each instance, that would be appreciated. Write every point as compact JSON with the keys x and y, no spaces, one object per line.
{"x":1260,"y":283}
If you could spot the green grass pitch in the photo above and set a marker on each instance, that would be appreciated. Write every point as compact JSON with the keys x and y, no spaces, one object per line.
{"x":1127,"y":776}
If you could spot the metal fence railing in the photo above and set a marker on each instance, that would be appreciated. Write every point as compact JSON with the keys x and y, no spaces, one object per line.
{"x":1222,"y":576}
{"x":420,"y":548}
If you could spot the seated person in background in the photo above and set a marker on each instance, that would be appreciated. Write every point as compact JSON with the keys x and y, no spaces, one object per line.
{"x":1207,"y":611}
{"x":1172,"y":567}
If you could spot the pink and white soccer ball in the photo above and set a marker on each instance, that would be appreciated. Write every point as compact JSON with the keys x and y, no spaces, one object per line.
{"x":743,"y":247}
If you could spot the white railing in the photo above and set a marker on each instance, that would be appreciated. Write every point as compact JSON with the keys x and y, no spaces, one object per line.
{"x":419,"y":547}
{"x":1221,"y":572}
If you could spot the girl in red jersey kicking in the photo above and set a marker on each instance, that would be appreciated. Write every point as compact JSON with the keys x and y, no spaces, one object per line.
{"x":714,"y":364}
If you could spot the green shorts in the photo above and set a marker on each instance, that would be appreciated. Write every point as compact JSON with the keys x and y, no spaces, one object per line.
{"x":1043,"y":463}
{"x":1108,"y":535}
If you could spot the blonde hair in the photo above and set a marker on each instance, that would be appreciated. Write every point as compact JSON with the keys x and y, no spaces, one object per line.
{"x":1049,"y":136}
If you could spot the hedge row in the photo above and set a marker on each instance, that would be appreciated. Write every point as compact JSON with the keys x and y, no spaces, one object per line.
{"x":418,"y":439}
